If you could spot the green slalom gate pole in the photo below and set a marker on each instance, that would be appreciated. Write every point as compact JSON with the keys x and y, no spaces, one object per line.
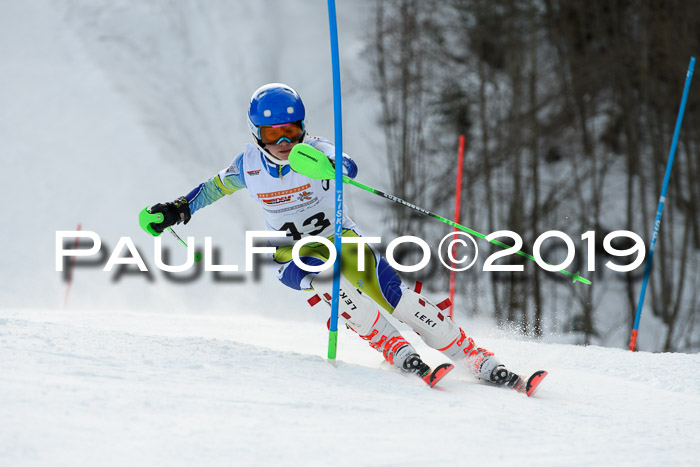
{"x":313,"y":163}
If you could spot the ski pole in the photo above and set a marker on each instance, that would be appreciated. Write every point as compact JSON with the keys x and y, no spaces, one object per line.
{"x":313,"y":163}
{"x":660,"y":208}
{"x":197,"y":254}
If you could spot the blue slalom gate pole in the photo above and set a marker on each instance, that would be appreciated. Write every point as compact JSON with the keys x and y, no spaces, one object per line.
{"x":660,"y":209}
{"x":338,"y":120}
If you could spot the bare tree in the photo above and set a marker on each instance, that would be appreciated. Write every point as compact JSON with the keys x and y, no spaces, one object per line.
{"x":569,"y":109}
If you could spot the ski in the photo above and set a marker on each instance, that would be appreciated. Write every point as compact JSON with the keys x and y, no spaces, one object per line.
{"x":528,"y":387}
{"x":431,"y":378}
{"x":414,"y":364}
{"x":534,"y":382}
{"x":514,"y":381}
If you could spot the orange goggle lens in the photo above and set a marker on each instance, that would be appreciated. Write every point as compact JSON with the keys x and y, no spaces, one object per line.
{"x":274,"y":134}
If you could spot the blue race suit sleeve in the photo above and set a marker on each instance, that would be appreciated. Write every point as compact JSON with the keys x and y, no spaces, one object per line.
{"x":224,"y":183}
{"x":322,"y":144}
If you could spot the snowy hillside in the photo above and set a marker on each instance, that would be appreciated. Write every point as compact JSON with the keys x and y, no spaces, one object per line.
{"x":124,"y":388}
{"x":109,"y":106}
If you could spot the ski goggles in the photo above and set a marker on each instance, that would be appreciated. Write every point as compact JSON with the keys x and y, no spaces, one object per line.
{"x":276,"y":134}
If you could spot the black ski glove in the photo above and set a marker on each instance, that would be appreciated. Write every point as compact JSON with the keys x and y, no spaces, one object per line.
{"x":173,"y":213}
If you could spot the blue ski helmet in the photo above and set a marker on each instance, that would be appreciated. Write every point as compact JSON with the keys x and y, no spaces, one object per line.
{"x":274,"y":104}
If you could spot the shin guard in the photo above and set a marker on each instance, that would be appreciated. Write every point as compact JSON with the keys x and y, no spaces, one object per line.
{"x":363,"y":316}
{"x":443,"y":334}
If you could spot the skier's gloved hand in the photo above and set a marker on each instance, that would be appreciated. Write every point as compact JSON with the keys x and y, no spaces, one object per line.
{"x":173,"y":213}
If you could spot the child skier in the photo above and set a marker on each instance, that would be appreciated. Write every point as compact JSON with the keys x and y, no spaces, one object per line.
{"x":301,"y":206}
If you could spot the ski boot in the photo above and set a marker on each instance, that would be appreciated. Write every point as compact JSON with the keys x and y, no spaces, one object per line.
{"x":414,"y":364}
{"x":500,"y":375}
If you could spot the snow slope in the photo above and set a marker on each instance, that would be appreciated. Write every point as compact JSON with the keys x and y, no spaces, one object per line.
{"x":125,"y":388}
{"x":112,"y":105}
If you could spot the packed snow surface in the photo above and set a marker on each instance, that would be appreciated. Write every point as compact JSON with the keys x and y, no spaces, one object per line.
{"x":136,"y":388}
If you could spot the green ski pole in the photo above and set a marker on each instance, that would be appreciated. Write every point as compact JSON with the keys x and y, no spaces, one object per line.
{"x":313,"y":163}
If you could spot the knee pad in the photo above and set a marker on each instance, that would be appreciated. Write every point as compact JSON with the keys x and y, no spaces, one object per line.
{"x":356,"y":308}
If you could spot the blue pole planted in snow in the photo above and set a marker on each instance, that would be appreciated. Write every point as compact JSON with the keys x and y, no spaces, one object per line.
{"x":660,"y":209}
{"x":338,"y":118}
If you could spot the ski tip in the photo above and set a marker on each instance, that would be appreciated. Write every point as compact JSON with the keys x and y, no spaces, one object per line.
{"x":534,"y":382}
{"x":439,"y":373}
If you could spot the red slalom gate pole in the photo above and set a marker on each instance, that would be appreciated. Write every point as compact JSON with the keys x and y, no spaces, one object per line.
{"x":458,"y":201}
{"x":70,"y":270}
